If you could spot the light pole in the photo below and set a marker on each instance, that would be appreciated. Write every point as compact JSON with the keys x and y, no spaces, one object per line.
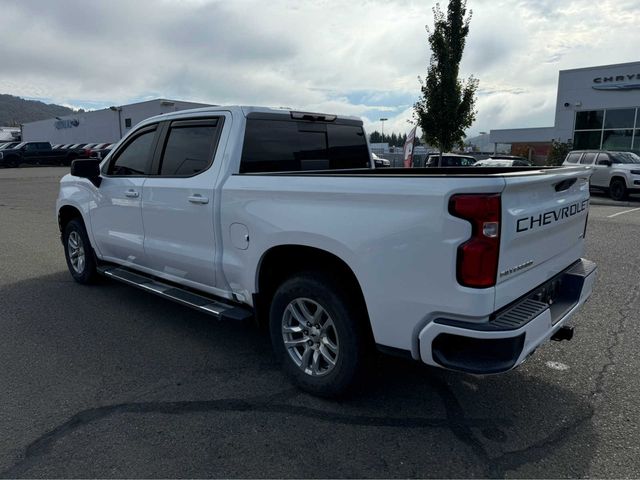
{"x":382,"y":120}
{"x":119,"y":110}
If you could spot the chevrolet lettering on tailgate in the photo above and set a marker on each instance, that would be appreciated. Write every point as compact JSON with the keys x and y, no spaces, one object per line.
{"x":529,"y":223}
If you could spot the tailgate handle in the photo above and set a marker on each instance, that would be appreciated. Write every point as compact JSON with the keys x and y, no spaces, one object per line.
{"x":565,"y":184}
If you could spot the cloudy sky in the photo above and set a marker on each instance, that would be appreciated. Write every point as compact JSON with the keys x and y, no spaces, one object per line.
{"x":351,"y":57}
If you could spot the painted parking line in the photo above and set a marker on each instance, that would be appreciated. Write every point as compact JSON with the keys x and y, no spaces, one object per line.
{"x":623,"y":212}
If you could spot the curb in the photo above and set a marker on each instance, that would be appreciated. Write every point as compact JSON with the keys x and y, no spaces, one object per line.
{"x":612,"y":203}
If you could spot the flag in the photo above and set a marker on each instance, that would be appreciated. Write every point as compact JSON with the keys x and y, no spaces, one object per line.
{"x":408,"y":148}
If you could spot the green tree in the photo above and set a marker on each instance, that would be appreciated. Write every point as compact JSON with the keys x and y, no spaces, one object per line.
{"x":446,"y":108}
{"x":558,"y":152}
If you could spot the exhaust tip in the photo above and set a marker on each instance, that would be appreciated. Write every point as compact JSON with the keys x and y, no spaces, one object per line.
{"x":564,"y":333}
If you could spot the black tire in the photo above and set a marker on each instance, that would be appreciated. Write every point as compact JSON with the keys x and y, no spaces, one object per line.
{"x":351,"y":338}
{"x":12,"y":162}
{"x":85,"y":273}
{"x":618,"y":189}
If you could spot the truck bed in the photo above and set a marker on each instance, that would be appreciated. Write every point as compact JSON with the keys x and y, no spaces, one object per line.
{"x":421,"y":172}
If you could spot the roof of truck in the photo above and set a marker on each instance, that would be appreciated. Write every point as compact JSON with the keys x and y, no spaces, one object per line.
{"x":243,"y":110}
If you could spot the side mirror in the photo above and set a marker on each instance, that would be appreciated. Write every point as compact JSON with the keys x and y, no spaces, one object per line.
{"x":606,"y":162}
{"x":89,"y":169}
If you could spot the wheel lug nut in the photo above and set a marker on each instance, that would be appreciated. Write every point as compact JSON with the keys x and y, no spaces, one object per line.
{"x":306,"y":332}
{"x":309,"y":343}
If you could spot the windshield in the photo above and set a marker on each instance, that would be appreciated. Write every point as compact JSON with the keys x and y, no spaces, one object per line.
{"x":20,"y":145}
{"x":626,"y":157}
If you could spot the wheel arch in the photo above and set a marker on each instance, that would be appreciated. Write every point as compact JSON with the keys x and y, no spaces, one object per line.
{"x":66,"y":213}
{"x":282,"y":261}
{"x":618,"y":176}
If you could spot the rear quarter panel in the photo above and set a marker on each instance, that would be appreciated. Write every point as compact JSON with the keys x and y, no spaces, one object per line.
{"x":394,"y":233}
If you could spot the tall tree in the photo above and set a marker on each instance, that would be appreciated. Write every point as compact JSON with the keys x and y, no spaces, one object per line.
{"x":446,"y":108}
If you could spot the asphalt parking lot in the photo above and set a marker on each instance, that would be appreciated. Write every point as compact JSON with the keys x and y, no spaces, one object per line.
{"x":108,"y":381}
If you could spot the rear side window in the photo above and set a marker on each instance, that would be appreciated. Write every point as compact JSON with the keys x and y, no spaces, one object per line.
{"x":189,"y":148}
{"x":289,"y":146}
{"x":573,"y":157}
{"x":135,"y":158}
{"x":588,"y":159}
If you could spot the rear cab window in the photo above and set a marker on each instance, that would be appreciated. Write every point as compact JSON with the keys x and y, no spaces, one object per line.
{"x":278,"y":143}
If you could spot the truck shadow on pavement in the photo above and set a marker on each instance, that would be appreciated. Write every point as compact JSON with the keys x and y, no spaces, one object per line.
{"x":152,"y":389}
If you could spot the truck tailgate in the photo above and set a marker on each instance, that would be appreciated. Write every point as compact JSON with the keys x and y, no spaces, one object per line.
{"x":543,"y":224}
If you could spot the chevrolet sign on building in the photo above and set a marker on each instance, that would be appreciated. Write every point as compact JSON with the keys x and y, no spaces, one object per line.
{"x":596,"y":107}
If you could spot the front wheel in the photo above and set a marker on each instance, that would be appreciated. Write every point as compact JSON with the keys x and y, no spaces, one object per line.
{"x":317,"y":334}
{"x":78,"y":252}
{"x":617,"y":189}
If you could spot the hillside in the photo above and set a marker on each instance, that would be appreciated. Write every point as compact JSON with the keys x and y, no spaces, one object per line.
{"x":16,"y":110}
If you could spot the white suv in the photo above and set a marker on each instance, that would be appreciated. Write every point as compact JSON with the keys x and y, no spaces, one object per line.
{"x":618,"y":173}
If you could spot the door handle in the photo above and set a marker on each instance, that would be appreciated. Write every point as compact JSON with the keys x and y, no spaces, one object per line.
{"x":131,"y":194}
{"x":197,"y":198}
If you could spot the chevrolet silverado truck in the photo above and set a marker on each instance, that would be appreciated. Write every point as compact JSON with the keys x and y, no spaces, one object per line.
{"x":35,"y":153}
{"x":281,"y":217}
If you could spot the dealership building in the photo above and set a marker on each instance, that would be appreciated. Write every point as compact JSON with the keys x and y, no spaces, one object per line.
{"x":99,"y":126}
{"x":596,"y":108}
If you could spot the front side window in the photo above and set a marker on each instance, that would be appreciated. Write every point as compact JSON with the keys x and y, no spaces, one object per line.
{"x":135,"y":158}
{"x":188,"y":149}
{"x":603,"y":158}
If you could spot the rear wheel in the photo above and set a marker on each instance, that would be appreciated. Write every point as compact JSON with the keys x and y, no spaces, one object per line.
{"x":617,"y":189}
{"x":318,"y":335}
{"x":78,"y":252}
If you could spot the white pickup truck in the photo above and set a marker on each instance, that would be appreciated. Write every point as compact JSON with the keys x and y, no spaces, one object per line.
{"x":279,"y":216}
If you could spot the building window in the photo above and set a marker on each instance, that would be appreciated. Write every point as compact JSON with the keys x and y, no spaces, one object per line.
{"x":587,"y":140}
{"x":623,"y":118}
{"x":617,"y":139}
{"x":606,"y":129}
{"x":636,"y":141}
{"x":591,"y":120}
{"x":127,"y":123}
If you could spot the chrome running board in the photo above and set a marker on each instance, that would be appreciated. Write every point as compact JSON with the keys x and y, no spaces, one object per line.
{"x":217,"y":307}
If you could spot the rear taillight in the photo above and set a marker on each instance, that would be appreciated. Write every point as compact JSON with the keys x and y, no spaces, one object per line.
{"x":478,"y":257}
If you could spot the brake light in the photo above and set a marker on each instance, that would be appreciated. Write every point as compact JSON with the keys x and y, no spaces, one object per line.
{"x":478,"y":256}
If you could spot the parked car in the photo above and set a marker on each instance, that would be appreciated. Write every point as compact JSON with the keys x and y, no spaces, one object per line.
{"x":499,"y":162}
{"x":449,"y":160}
{"x":250,"y":213}
{"x":78,"y":150}
{"x":102,"y":152}
{"x":617,"y":173}
{"x":34,"y":153}
{"x":380,"y":162}
{"x":8,"y":145}
{"x":501,"y":156}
